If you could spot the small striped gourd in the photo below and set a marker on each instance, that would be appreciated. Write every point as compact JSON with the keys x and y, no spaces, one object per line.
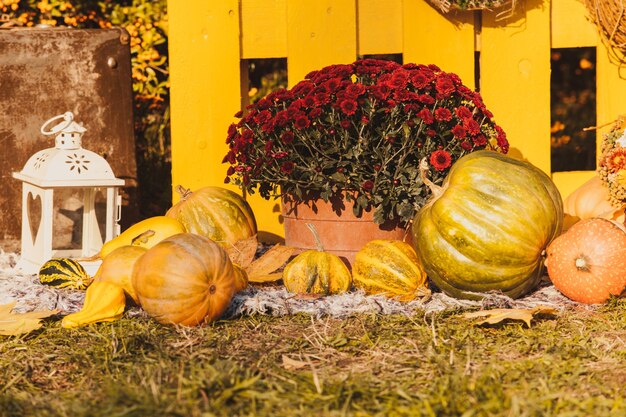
{"x":317,"y":272}
{"x":64,"y":273}
{"x":391,"y":268}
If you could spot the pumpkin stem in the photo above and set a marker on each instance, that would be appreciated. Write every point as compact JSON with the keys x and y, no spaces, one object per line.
{"x":316,"y":236}
{"x":434,"y":188}
{"x":184,"y":192}
{"x":582,"y":264}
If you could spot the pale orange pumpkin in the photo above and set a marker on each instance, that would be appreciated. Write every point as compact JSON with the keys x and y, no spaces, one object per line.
{"x":588,"y":262}
{"x":590,"y":200}
{"x":185,"y":279}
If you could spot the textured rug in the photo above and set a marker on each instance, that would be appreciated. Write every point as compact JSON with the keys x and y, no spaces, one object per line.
{"x":29,"y":294}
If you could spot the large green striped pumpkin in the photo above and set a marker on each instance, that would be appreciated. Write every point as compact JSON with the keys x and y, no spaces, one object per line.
{"x":487,"y":228}
{"x":64,"y":273}
{"x":217,"y":213}
{"x":389,"y":267}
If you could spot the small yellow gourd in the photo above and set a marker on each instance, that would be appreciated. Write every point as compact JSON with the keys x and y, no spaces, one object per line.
{"x":317,"y":272}
{"x":104,"y":301}
{"x":391,"y":268}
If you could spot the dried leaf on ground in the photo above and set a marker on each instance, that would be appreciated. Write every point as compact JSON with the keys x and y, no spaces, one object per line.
{"x":264,"y":267}
{"x":291,"y":364}
{"x":498,"y":315}
{"x":19,"y":323}
{"x":242,"y":253}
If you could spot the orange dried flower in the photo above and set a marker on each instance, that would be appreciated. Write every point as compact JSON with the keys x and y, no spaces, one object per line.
{"x":616,"y":160}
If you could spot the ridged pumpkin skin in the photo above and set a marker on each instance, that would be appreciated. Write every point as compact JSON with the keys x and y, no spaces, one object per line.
{"x":488,"y":226}
{"x":317,"y":272}
{"x":588,"y":262}
{"x":588,"y":201}
{"x":185,"y":279}
{"x":389,"y":267}
{"x":217,"y":213}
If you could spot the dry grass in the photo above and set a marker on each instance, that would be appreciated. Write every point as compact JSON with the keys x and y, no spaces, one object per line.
{"x":367,"y":365}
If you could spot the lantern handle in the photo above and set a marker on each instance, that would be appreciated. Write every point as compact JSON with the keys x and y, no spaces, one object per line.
{"x":67,"y":117}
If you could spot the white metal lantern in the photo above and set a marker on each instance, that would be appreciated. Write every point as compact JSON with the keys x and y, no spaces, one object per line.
{"x":70,"y":200}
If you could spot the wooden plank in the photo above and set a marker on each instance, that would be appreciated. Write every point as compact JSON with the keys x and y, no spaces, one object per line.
{"x":432,"y":38}
{"x":570,"y":26}
{"x":610,"y":91}
{"x":515,"y":78}
{"x":379,"y":26}
{"x":567,"y":182}
{"x":264,"y":28}
{"x":205,"y":88}
{"x":319,"y":33}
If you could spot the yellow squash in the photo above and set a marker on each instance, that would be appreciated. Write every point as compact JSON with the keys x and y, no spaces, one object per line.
{"x":103,"y":302}
{"x":145,"y":233}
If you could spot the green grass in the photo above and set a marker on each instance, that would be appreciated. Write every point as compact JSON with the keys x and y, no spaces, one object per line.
{"x":368,"y":365}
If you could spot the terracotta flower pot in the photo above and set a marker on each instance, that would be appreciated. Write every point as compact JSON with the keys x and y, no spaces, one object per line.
{"x":340,"y":231}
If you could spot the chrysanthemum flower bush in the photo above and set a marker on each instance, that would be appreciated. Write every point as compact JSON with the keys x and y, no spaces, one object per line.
{"x":360,"y":130}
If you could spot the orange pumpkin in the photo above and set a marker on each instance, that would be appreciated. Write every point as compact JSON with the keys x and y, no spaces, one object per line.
{"x":185,"y":279}
{"x":590,"y":200}
{"x":587,"y":263}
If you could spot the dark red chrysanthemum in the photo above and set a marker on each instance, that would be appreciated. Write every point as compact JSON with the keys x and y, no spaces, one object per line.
{"x":287,"y":137}
{"x":443,"y":114}
{"x":302,"y":122}
{"x":345,"y":123}
{"x":287,"y":167}
{"x":368,"y":185}
{"x":459,"y":131}
{"x":463,"y":112}
{"x":348,"y":107}
{"x":444,"y":85}
{"x":426,"y":116}
{"x":440,"y":160}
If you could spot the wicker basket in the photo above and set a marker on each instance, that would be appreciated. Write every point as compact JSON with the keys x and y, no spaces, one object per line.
{"x":610,"y":18}
{"x":505,"y":8}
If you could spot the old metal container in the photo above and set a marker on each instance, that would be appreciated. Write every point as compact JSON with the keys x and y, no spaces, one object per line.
{"x":46,"y":71}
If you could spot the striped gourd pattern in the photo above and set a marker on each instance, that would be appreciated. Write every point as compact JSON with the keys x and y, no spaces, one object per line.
{"x":389,"y":267}
{"x":64,"y":273}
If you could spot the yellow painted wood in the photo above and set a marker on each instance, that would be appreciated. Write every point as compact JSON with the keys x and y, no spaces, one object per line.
{"x":515,"y":78}
{"x":567,"y":182}
{"x":264,"y":28}
{"x":205,"y":88}
{"x":432,"y":38}
{"x":611,"y":90}
{"x":570,"y":26}
{"x":379,"y":26}
{"x":319,"y":33}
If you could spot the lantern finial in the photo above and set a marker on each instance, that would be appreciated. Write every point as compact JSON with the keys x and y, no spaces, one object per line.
{"x":68,"y":132}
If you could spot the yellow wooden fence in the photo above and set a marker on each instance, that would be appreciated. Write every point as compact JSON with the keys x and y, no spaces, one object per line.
{"x":210,"y":39}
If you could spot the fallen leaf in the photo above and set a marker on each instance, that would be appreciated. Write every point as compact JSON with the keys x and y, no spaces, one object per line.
{"x":19,"y":323}
{"x":268,"y":263}
{"x":500,"y":314}
{"x":293,"y":364}
{"x":243,"y":251}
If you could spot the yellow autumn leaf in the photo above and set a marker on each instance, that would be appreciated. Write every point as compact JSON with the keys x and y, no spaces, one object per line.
{"x":500,"y":314}
{"x":263,"y":269}
{"x":242,"y":253}
{"x":18,"y":323}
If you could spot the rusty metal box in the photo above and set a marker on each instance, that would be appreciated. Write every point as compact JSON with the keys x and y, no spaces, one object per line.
{"x":48,"y":71}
